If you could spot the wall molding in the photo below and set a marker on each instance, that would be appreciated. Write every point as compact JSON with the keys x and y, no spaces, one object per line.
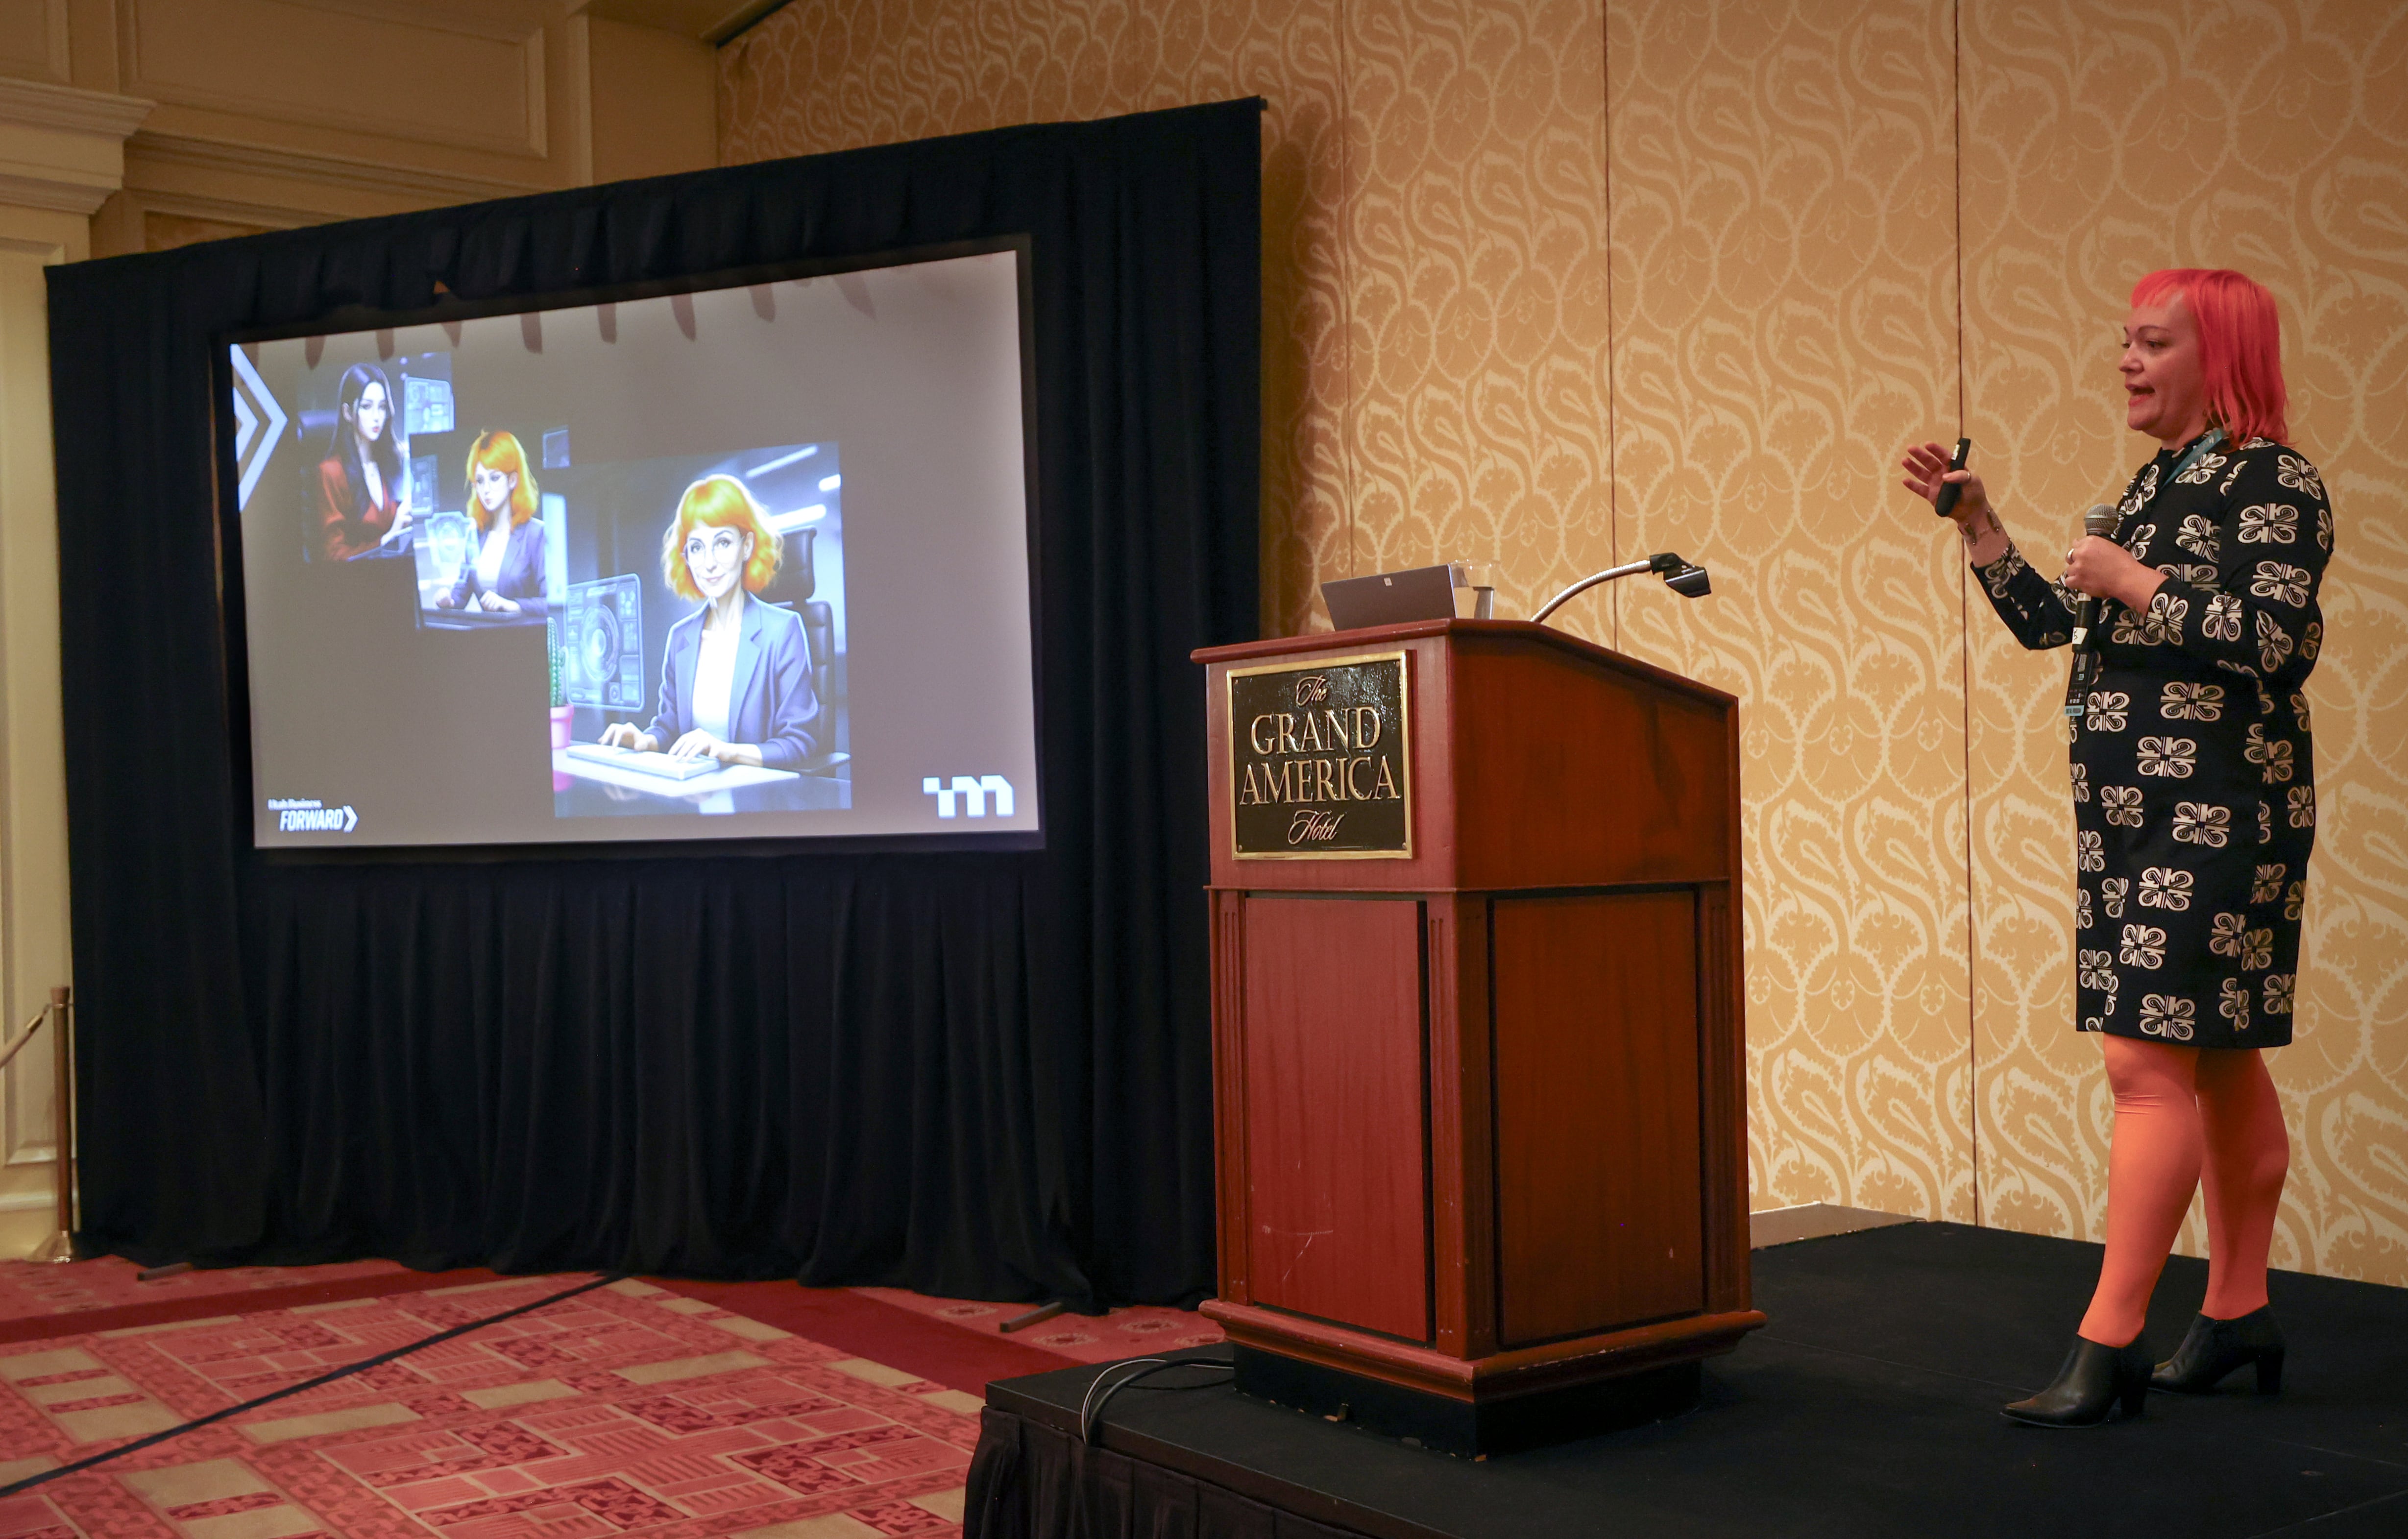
{"x":63,"y":148}
{"x":436,"y":188}
{"x":39,"y":104}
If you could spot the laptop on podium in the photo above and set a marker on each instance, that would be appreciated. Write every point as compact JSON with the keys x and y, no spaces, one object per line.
{"x":1390,"y":598}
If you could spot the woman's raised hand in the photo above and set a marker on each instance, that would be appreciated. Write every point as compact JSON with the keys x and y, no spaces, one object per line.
{"x":1926,"y":472}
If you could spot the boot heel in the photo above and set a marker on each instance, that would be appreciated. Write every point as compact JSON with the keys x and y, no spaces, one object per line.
{"x":2270,"y":1372}
{"x":2135,"y":1397}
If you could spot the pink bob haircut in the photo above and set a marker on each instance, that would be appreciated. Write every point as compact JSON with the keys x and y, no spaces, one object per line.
{"x":2239,"y":347}
{"x":718,"y":502}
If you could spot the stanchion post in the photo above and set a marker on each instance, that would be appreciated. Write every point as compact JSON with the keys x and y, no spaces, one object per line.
{"x":61,"y":1246}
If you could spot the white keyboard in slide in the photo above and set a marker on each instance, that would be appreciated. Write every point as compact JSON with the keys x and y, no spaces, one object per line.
{"x":649,"y":763}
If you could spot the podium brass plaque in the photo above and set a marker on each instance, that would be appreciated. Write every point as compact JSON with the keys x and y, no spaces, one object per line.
{"x":1320,"y":760}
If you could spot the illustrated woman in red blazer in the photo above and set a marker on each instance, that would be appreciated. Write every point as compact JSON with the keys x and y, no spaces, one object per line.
{"x":359,"y":483}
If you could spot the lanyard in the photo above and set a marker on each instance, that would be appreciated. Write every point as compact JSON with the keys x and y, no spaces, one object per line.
{"x":2206,"y":445}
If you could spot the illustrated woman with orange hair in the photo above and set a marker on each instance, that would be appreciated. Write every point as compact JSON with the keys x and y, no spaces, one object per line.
{"x":507,"y":574}
{"x":735,"y":675}
{"x":2194,"y":810}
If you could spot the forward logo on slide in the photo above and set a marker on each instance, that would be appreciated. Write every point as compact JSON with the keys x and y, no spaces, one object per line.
{"x":971,"y":789}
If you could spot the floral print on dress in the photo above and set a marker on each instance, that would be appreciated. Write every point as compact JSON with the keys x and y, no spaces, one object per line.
{"x":2297,"y":475}
{"x":2273,"y":755}
{"x":2276,"y":523}
{"x":2280,"y":581}
{"x":2165,"y":887}
{"x":2200,"y":823}
{"x":2274,"y":644}
{"x":2145,"y":946}
{"x":2169,"y":758}
{"x":2172,"y":758}
{"x":2096,"y":969}
{"x":2224,"y":937}
{"x":2168,"y":1016}
{"x":2142,"y":492}
{"x":2198,"y":535}
{"x":2232,"y":1002}
{"x":2188,"y":700}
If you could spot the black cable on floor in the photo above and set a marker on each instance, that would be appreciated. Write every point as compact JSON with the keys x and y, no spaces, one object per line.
{"x":329,"y":1377}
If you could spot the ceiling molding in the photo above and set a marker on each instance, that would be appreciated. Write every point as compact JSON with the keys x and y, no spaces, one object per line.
{"x":433,"y":187}
{"x":62,"y":149}
{"x":39,"y":104}
{"x":37,"y":189}
{"x":712,"y":21}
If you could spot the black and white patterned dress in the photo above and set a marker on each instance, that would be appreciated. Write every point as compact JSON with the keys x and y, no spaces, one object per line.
{"x":2194,"y":783}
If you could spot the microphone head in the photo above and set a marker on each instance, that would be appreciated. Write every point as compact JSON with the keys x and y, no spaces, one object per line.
{"x":2101,"y":520}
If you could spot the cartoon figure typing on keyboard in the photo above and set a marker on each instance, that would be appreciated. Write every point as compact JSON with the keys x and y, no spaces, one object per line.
{"x":735,"y":675}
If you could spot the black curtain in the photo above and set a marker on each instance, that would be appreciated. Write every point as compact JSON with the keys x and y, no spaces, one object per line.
{"x":970,"y":1074}
{"x":1031,"y":1481}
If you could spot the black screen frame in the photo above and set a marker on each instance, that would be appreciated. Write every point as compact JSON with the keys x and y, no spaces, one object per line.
{"x":234,"y":635}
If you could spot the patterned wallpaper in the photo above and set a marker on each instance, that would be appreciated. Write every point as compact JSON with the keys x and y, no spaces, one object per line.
{"x":1550,"y":282}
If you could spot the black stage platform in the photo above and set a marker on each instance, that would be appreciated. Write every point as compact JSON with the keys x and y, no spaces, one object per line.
{"x":1869,"y":1406}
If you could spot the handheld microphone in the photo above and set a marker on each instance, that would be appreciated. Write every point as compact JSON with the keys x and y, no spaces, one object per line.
{"x":1946,"y":503}
{"x":2099,"y":523}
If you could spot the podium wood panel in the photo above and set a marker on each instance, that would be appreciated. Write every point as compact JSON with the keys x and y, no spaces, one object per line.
{"x":1480,"y":1106}
{"x":1599,"y":1213}
{"x":1337,"y":1166}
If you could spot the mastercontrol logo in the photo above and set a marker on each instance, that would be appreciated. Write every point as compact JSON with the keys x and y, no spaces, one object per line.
{"x":303,"y":815}
{"x":973,"y":791}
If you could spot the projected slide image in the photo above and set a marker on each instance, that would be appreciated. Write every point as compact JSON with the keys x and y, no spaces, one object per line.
{"x":750,"y":562}
{"x":702,"y":649}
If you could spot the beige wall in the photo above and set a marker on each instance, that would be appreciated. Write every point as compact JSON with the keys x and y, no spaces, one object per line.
{"x":1553,"y":283}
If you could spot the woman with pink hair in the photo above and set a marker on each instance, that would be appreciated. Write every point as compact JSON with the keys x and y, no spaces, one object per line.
{"x":2195,"y":811}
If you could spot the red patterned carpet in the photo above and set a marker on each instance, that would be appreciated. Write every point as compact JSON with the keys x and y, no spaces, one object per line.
{"x":630,"y":1410}
{"x":111,"y":1282}
{"x":636,"y":1409}
{"x":1106,"y":1338}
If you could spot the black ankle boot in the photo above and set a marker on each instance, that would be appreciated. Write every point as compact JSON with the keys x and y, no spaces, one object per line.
{"x":2214,"y":1349}
{"x":2092,"y":1381}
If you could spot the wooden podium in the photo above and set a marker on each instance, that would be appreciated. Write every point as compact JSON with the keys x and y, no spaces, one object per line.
{"x":1478,"y":1073}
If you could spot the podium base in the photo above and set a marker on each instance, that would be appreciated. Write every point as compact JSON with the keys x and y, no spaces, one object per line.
{"x":1467,"y":1427}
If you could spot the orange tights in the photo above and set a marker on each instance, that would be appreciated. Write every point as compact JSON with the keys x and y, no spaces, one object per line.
{"x":2185,"y":1115}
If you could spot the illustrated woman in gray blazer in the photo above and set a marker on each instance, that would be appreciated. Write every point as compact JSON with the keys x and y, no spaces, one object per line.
{"x":735,"y":675}
{"x":505,"y":570}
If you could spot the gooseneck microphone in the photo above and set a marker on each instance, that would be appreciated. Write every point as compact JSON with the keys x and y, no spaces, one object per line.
{"x":2101,"y":523}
